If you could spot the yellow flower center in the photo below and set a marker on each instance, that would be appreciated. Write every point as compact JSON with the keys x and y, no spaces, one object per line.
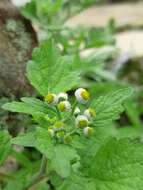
{"x":85,"y":95}
{"x":49,"y":98}
{"x":90,"y":131}
{"x":92,"y":112}
{"x":61,"y":106}
{"x":82,"y":123}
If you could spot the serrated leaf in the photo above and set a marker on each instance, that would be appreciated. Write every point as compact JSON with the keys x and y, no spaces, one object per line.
{"x":118,"y":165}
{"x":48,"y":71}
{"x":32,"y":106}
{"x":59,"y":155}
{"x":63,"y":155}
{"x":4,"y":145}
{"x":44,"y":142}
{"x":26,"y":140}
{"x":109,"y":106}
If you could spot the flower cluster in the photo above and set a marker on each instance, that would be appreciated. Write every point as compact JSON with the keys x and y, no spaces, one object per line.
{"x":81,"y":119}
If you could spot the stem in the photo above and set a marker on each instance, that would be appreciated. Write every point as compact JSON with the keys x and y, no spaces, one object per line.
{"x":40,"y":175}
{"x":7,"y":176}
{"x":73,"y":108}
{"x":58,"y":113}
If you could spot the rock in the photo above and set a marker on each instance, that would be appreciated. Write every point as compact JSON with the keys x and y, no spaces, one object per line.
{"x":130,"y":42}
{"x":17,"y":40}
{"x":98,"y":16}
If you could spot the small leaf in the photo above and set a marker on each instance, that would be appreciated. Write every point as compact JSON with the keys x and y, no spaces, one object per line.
{"x":59,"y":155}
{"x":63,"y":155}
{"x":32,"y":106}
{"x":4,"y":145}
{"x":26,"y":140}
{"x":44,"y":142}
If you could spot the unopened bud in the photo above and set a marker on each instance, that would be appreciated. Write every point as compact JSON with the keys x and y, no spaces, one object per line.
{"x":82,"y":95}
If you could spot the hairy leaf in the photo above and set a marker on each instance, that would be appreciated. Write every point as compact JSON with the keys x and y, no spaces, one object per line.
{"x":109,"y":106}
{"x":59,"y":155}
{"x":50,"y":72}
{"x":118,"y":165}
{"x":26,"y":140}
{"x":32,"y":106}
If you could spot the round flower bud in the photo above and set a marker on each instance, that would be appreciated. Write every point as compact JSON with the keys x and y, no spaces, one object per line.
{"x":60,"y":134}
{"x":63,"y":96}
{"x":76,"y":111}
{"x":67,"y":139}
{"x":88,"y":131}
{"x":51,"y":132}
{"x":64,"y":106}
{"x":81,"y":121}
{"x":51,"y":99}
{"x":82,"y":95}
{"x":89,"y":113}
{"x":59,"y":125}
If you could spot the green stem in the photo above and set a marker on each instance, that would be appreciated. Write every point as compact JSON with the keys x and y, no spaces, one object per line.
{"x":73,"y":108}
{"x":7,"y":176}
{"x":39,"y":176}
{"x":58,"y":113}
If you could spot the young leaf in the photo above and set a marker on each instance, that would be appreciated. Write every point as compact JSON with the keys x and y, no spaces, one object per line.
{"x":50,"y":72}
{"x":109,"y":106}
{"x":26,"y":140}
{"x":59,"y":155}
{"x":63,"y":155}
{"x":4,"y":146}
{"x":32,"y":106}
{"x":117,"y":165}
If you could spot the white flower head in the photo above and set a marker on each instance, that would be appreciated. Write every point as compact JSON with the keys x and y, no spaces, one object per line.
{"x":52,"y":99}
{"x":82,"y":95}
{"x":88,"y":131}
{"x":64,"y":106}
{"x":89,"y":113}
{"x":81,"y":121}
{"x":63,"y":96}
{"x":76,"y":111}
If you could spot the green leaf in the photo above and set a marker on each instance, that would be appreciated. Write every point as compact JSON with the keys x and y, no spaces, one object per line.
{"x":26,"y":140}
{"x":5,"y":146}
{"x":109,"y":106}
{"x":32,"y":106}
{"x":50,"y":72}
{"x":63,"y":155}
{"x":59,"y":155}
{"x":22,"y":159}
{"x":44,"y":142}
{"x":118,"y":165}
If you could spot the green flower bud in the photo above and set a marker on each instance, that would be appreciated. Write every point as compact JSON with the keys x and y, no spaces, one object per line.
{"x":89,"y":113}
{"x":60,"y":134}
{"x":82,"y":95}
{"x":59,"y":125}
{"x":88,"y":131}
{"x":76,"y":111}
{"x":67,"y":139}
{"x":51,"y":132}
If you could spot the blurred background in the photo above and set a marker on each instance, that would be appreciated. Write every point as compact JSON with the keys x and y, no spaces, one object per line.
{"x":103,"y":37}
